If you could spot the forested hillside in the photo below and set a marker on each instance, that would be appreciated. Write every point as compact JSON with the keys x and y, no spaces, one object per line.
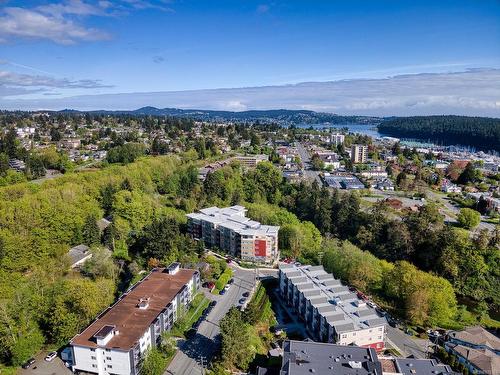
{"x":43,"y":302}
{"x":480,"y":132}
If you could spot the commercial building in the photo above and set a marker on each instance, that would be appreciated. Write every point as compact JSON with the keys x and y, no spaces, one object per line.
{"x":359,"y":154}
{"x":476,"y":348}
{"x":343,"y":181}
{"x":330,"y":311}
{"x":309,"y":357}
{"x":251,"y":161}
{"x":115,"y":343}
{"x":231,"y":231}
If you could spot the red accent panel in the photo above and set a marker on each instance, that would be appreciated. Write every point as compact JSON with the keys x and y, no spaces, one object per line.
{"x":260,"y":248}
{"x":378,"y":346}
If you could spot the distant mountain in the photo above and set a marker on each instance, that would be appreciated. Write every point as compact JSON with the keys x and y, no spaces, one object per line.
{"x":280,"y":116}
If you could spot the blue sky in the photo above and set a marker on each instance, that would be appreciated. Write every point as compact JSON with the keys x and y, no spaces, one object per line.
{"x":51,"y":50}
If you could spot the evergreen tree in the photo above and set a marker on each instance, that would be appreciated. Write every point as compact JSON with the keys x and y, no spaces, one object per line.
{"x":90,"y":231}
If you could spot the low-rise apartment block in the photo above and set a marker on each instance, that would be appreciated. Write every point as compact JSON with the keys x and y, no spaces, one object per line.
{"x":330,"y":311}
{"x":308,"y":357}
{"x":231,"y":231}
{"x":116,"y":342}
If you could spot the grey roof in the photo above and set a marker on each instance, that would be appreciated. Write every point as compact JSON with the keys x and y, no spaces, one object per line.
{"x":413,"y":366}
{"x":78,"y":253}
{"x":234,"y":219}
{"x":306,"y":358}
{"x":341,"y":308}
{"x":343,"y":327}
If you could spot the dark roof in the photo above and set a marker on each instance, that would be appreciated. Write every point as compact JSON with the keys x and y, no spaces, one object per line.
{"x":104,"y":331}
{"x":306,"y":358}
{"x":413,"y":366}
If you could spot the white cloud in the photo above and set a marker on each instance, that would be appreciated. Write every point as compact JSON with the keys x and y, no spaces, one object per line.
{"x":39,"y":24}
{"x":472,"y":92}
{"x":14,"y":84}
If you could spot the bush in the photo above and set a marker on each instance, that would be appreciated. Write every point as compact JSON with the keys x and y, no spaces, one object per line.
{"x":154,"y":363}
{"x":223,"y":279}
{"x":468,"y":218}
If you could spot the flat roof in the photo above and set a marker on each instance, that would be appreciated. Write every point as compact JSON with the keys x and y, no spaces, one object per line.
{"x":233,"y":218}
{"x":341,"y":308}
{"x":128,"y":319}
{"x":308,"y":357}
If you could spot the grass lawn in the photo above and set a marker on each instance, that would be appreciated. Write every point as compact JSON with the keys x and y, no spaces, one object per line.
{"x":200,"y":303}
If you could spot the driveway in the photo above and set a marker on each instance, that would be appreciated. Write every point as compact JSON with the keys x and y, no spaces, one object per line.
{"x":195,"y":353}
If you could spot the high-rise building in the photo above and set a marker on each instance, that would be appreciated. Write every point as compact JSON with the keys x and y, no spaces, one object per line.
{"x":116,"y":342}
{"x":231,"y":231}
{"x":337,"y":138}
{"x":359,"y":154}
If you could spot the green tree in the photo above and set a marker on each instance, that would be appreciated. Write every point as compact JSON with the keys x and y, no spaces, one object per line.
{"x":91,"y":234}
{"x":160,"y":238}
{"x":468,"y":218}
{"x":154,"y":363}
{"x":4,"y":164}
{"x":236,"y":347}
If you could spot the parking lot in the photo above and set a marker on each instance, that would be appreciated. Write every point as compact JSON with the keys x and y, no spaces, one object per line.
{"x":42,"y":367}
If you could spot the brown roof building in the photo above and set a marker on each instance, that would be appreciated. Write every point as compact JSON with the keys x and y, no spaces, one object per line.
{"x":477,"y":348}
{"x":115,"y":341}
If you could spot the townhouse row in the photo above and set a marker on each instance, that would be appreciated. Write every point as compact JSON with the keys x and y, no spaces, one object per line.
{"x":330,"y":311}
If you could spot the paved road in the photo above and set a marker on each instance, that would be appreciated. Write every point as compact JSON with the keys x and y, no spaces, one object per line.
{"x":405,"y":344}
{"x":306,"y":162}
{"x":203,"y":346}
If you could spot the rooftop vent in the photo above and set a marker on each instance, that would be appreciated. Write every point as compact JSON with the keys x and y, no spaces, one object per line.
{"x":143,"y":303}
{"x":173,"y":268}
{"x":355,"y":364}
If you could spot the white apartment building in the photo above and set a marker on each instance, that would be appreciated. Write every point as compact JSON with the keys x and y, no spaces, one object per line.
{"x":231,"y":231}
{"x":115,"y":343}
{"x":359,"y":153}
{"x":329,"y":310}
{"x":337,"y":138}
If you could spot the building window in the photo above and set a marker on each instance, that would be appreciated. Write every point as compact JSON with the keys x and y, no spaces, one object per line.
{"x":92,"y":350}
{"x":94,"y":366}
{"x":92,"y":357}
{"x":108,"y":350}
{"x":108,"y":358}
{"x":109,"y":366}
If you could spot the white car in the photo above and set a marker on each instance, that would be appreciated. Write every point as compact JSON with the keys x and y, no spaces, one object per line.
{"x":50,"y":357}
{"x":226,"y":288}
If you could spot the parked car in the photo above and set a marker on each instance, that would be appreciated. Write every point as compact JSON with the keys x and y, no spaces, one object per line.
{"x":213,"y":303}
{"x":228,"y":260}
{"x":28,"y":363}
{"x":230,"y":281}
{"x":51,"y":356}
{"x":226,"y":288}
{"x":222,"y":292}
{"x":242,"y":301}
{"x":246,"y":294}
